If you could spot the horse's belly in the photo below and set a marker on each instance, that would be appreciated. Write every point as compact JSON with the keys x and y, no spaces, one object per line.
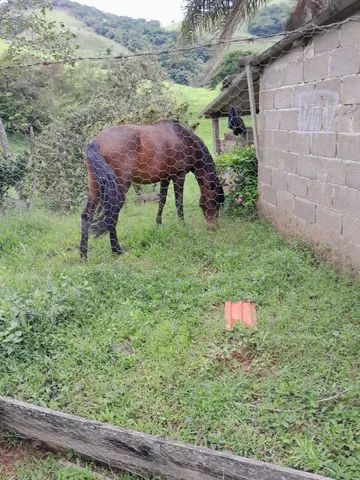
{"x":147,"y":173}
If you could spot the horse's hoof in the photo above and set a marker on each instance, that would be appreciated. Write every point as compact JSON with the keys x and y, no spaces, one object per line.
{"x":118,"y":251}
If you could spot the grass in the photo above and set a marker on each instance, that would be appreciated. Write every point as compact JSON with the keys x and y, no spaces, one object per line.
{"x":3,"y":46}
{"x":139,"y":340}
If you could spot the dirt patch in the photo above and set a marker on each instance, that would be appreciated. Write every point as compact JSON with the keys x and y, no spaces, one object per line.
{"x":12,"y":456}
{"x":242,"y":358}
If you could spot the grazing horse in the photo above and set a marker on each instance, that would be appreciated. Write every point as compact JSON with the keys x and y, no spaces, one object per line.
{"x":142,"y":154}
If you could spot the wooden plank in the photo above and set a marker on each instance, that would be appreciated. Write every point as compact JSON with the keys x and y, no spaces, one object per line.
{"x":216,"y":135}
{"x":133,"y":451}
{"x":253,"y":109}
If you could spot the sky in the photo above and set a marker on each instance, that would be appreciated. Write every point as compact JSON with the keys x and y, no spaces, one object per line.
{"x":166,"y":11}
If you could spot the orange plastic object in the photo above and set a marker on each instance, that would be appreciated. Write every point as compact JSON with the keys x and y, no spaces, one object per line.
{"x":243,"y":312}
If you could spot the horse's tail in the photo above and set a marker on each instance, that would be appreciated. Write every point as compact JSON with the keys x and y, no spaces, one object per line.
{"x":107,"y":213}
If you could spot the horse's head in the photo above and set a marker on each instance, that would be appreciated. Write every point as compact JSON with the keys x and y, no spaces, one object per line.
{"x":211,"y":199}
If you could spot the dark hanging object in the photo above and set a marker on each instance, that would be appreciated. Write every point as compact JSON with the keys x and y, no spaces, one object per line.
{"x":235,"y":122}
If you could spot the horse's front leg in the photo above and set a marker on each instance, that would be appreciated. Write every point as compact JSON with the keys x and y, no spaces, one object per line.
{"x":179,"y":195}
{"x":164,"y":185}
{"x":114,"y":242}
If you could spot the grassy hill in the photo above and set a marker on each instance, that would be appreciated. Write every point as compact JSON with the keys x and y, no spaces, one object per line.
{"x":91,"y":44}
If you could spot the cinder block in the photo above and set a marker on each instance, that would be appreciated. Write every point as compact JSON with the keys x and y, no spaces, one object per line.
{"x":351,"y":228}
{"x":355,"y":120}
{"x":285,"y":202}
{"x":281,"y":139}
{"x":329,"y":220}
{"x":347,"y":200}
{"x":332,"y":171}
{"x":298,"y":91}
{"x":323,"y":144}
{"x":307,"y":166}
{"x":316,"y":68}
{"x":264,"y":174}
{"x":294,"y":73}
{"x":266,"y":99}
{"x":351,"y":90}
{"x":289,"y":161}
{"x":320,"y":193}
{"x":266,"y":138}
{"x":344,"y":61}
{"x":279,"y":179}
{"x":326,"y":42}
{"x":349,"y":147}
{"x":272,"y":119}
{"x":268,"y":194}
{"x":342,"y":120}
{"x":350,"y":34}
{"x":295,"y":55}
{"x":282,"y":98}
{"x":353,"y":175}
{"x":289,"y":119}
{"x":300,"y":142}
{"x":297,"y":185}
{"x":332,"y":85}
{"x":273,"y":76}
{"x":271,"y":158}
{"x":305,"y":210}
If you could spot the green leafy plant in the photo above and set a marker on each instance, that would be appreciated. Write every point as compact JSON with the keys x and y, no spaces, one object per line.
{"x":229,"y":66}
{"x":238,"y":170}
{"x":12,"y":171}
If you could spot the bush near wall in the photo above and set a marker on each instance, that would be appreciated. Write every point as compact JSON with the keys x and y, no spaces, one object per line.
{"x":238,"y":170}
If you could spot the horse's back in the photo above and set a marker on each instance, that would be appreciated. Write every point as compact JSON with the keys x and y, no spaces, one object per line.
{"x":144,"y":153}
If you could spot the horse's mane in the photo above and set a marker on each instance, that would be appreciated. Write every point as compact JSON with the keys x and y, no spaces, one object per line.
{"x":204,"y":163}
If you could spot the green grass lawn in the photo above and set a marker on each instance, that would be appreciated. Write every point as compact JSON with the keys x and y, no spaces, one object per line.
{"x":139,"y":340}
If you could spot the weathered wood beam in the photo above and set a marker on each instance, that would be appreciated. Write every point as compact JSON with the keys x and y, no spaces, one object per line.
{"x":134,"y":451}
{"x":250,"y":82}
{"x":216,"y":135}
{"x":4,"y":143}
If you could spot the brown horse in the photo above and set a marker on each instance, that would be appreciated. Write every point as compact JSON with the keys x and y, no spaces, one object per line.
{"x":163,"y":152}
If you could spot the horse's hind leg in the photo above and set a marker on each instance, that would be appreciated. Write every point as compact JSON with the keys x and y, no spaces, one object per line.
{"x":164,"y":185}
{"x":114,"y":242}
{"x":86,"y":218}
{"x":179,"y":195}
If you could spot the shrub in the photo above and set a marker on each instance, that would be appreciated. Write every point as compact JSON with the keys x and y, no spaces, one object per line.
{"x":238,"y":171}
{"x":12,"y":171}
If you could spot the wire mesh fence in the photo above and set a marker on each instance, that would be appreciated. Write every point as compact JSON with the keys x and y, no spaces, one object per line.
{"x":282,"y":132}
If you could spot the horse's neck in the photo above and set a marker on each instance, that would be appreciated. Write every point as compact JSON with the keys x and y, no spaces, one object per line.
{"x":205,"y":173}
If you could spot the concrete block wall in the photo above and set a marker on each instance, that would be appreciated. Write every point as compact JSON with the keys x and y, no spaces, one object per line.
{"x":309,"y":170}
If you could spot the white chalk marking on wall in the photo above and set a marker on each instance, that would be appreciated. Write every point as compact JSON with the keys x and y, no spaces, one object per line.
{"x":317,"y":110}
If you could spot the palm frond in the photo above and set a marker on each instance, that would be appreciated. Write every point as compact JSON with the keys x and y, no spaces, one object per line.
{"x":204,"y":15}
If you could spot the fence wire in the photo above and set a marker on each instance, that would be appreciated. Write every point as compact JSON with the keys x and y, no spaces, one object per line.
{"x":95,"y":133}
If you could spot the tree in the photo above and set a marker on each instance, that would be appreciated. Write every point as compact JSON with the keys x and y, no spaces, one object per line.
{"x":270,"y":20}
{"x":225,"y":15}
{"x":91,"y":97}
{"x":25,"y":103}
{"x":229,"y":66}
